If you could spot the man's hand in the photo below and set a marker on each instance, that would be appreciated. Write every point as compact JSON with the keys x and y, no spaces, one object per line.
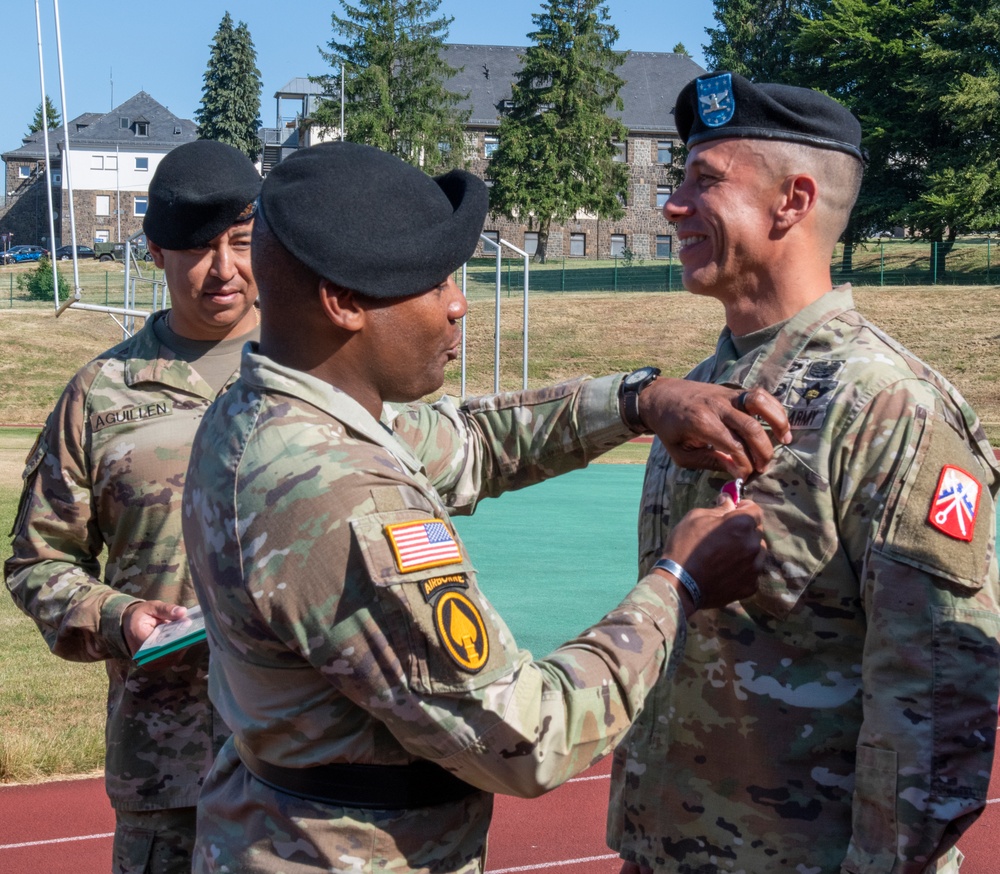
{"x":141,"y":617}
{"x":722,"y":548}
{"x":711,"y":427}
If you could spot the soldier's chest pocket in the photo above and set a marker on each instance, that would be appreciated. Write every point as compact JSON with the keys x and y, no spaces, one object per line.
{"x":799,"y":530}
{"x":446,"y":635}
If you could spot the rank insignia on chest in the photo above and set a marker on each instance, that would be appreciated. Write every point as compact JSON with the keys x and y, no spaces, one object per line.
{"x":424,"y":544}
{"x":462,"y":631}
{"x":956,"y":503}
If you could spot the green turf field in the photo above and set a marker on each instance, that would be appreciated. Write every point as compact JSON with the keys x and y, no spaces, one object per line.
{"x":554,"y":558}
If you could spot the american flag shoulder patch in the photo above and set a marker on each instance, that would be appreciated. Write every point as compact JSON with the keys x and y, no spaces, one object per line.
{"x":422,"y":544}
{"x":956,"y":503}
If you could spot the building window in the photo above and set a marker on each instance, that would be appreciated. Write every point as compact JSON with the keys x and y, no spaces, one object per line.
{"x":56,"y":177}
{"x":142,"y":163}
{"x":97,"y":162}
{"x":142,"y":128}
{"x":24,"y":171}
{"x":577,"y":245}
{"x":663,"y":193}
{"x":140,"y":205}
{"x":617,"y":245}
{"x":124,"y":123}
{"x":102,"y":204}
{"x":621,"y":153}
{"x":531,"y":242}
{"x":102,"y":235}
{"x":664,"y":152}
{"x":494,"y":238}
{"x":664,"y":243}
{"x":491,"y":145}
{"x":111,"y":162}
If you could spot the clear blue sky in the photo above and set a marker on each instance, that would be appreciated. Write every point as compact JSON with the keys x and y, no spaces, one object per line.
{"x":112,"y":51}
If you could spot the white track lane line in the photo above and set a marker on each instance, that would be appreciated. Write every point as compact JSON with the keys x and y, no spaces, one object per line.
{"x":541,"y":865}
{"x":55,"y":841}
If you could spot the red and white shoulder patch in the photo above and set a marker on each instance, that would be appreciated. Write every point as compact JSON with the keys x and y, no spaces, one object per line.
{"x":956,"y":503}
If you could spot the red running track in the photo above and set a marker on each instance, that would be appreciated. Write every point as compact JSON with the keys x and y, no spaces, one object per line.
{"x":65,"y":828}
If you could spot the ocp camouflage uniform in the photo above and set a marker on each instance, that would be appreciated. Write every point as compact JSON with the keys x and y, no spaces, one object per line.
{"x":843,"y":718}
{"x":107,"y":474}
{"x":333,"y":642}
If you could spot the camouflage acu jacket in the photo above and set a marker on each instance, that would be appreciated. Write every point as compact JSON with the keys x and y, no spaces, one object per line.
{"x":843,"y":718}
{"x":106,"y":477}
{"x":346,"y":625}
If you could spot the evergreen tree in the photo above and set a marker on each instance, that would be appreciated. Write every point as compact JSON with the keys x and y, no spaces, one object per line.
{"x":680,"y":49}
{"x":230,"y":98}
{"x":52,"y":117}
{"x":923,"y":78}
{"x":755,"y":38}
{"x":395,"y":97}
{"x":557,"y":145}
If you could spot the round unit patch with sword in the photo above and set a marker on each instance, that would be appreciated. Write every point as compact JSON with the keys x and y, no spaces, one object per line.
{"x":462,"y":631}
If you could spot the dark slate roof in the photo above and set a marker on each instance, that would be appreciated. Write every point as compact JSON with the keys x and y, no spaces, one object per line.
{"x":652,"y":82}
{"x":105,"y":130}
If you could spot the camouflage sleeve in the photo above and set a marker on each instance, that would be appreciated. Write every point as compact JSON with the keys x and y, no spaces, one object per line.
{"x":53,"y":573}
{"x":498,"y":443}
{"x":917,"y":519}
{"x":415,"y":644}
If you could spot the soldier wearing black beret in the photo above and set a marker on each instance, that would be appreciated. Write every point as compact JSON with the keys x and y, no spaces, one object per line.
{"x":105,"y":485}
{"x":815,"y":726}
{"x":375,"y":696}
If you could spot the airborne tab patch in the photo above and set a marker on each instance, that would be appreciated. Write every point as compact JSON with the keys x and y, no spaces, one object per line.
{"x":433,"y":585}
{"x":462,"y":631}
{"x":956,"y":503}
{"x":424,"y":544}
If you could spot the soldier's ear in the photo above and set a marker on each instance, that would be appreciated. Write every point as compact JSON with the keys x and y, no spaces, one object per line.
{"x":341,"y":306}
{"x":799,"y":193}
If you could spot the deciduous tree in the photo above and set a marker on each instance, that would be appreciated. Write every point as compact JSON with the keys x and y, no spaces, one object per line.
{"x":557,"y":146}
{"x":395,"y":77}
{"x":230,"y":100}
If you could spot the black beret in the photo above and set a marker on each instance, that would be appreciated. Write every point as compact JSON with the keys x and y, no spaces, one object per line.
{"x":722,"y":105}
{"x":369,"y":221}
{"x":198,"y":190}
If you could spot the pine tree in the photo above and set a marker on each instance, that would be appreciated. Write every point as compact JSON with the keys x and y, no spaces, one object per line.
{"x":52,"y":117}
{"x":557,"y":145}
{"x":755,"y":38}
{"x":395,"y":97}
{"x":230,"y":99}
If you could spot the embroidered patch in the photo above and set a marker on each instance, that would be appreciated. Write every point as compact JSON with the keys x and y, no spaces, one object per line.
{"x":808,"y":391}
{"x":434,"y":585}
{"x":462,"y":631}
{"x":423,"y":544}
{"x":107,"y":418}
{"x":716,"y":103}
{"x":956,"y":503}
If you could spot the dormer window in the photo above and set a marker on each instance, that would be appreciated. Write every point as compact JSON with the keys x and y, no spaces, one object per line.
{"x":124,"y":123}
{"x":142,"y":128}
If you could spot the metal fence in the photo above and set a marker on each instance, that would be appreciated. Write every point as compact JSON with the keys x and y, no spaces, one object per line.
{"x":875,"y":263}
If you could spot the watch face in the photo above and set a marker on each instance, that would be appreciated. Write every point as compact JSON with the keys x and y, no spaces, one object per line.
{"x":640,"y":376}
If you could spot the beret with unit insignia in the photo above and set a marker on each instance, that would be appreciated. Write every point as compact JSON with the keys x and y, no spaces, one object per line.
{"x":723,"y":105}
{"x":198,"y":190}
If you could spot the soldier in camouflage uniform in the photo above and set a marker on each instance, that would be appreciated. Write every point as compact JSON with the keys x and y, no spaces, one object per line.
{"x":843,"y":718}
{"x":376,"y":698}
{"x":107,"y":476}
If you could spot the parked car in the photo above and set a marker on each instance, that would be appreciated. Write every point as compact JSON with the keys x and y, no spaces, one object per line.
{"x":17,"y":254}
{"x":64,"y":253}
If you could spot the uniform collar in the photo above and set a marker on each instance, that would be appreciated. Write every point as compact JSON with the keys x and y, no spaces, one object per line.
{"x":264,"y":374}
{"x":767,"y":364}
{"x":150,"y":361}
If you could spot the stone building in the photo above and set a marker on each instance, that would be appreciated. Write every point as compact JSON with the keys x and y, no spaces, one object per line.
{"x":486,"y":74}
{"x":112,"y":157}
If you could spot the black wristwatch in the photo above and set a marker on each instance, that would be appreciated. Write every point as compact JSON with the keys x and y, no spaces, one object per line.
{"x":628,"y":396}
